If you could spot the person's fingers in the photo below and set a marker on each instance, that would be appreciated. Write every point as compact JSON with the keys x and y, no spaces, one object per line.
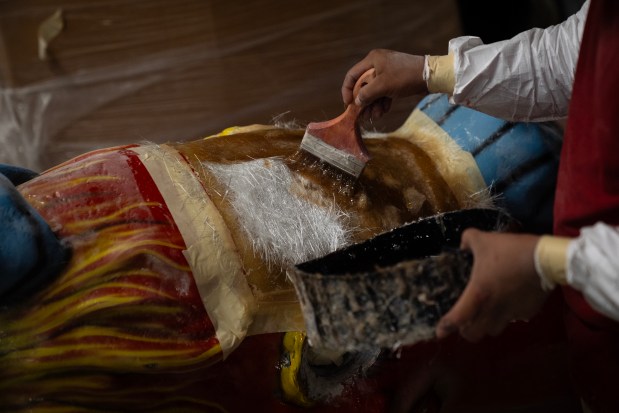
{"x":351,"y":77}
{"x":503,"y":285}
{"x":472,"y":332}
{"x":377,"y":110}
{"x":373,"y":91}
{"x":463,"y":314}
{"x":366,"y":114}
{"x":467,"y":238}
{"x":492,"y":325}
{"x":364,"y":97}
{"x":386,"y":103}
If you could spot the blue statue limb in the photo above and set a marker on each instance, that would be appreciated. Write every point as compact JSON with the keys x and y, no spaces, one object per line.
{"x":30,"y":253}
{"x":16,"y":174}
{"x":518,"y":160}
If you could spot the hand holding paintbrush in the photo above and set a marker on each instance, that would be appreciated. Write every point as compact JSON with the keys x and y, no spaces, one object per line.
{"x":338,"y":141}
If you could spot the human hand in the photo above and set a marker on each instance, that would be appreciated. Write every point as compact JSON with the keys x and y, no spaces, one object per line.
{"x":397,"y":75}
{"x":503,"y":287}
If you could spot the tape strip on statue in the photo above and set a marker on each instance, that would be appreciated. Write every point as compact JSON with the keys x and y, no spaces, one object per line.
{"x":211,"y":252}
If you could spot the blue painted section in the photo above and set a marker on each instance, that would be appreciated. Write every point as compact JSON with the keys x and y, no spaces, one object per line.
{"x":16,"y":174}
{"x":30,"y":253}
{"x":518,"y":160}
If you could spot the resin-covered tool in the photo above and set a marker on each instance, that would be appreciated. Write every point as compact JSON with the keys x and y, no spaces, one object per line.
{"x":392,"y":289}
{"x":338,"y":141}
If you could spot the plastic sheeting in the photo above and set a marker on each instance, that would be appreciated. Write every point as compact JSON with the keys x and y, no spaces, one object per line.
{"x":126,"y":328}
{"x":126,"y":71}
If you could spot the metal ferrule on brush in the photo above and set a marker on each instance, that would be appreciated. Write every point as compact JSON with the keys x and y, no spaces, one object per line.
{"x":332,"y":155}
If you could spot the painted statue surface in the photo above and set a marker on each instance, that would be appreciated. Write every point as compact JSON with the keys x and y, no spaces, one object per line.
{"x":173,"y":294}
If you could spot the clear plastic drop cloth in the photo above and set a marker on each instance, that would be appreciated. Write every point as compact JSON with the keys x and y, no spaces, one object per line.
{"x":114,"y":72}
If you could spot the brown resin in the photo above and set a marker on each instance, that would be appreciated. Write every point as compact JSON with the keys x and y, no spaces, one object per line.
{"x":398,"y":185}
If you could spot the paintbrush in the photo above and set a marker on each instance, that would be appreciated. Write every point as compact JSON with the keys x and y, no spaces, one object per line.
{"x":338,"y":141}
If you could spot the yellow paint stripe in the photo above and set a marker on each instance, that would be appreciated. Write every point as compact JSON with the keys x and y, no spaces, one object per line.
{"x":61,"y":185}
{"x":41,"y":322}
{"x":124,"y":251}
{"x":151,"y":310}
{"x":102,"y":273}
{"x":90,"y":331}
{"x":293,"y":346}
{"x":105,"y":359}
{"x":69,"y":214}
{"x":89,"y":223}
{"x":76,"y":167}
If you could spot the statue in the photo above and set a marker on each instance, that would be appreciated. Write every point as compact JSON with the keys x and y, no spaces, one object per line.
{"x":173,"y":293}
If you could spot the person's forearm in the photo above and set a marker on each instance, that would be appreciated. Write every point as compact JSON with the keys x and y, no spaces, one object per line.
{"x":588,"y":263}
{"x":593,"y":267}
{"x":526,"y":78}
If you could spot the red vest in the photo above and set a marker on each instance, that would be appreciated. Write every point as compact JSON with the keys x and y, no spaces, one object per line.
{"x":588,"y":192}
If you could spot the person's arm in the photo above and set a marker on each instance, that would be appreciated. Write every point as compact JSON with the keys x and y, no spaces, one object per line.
{"x":588,"y":263}
{"x":513,"y":273}
{"x":503,"y":285}
{"x":526,"y":78}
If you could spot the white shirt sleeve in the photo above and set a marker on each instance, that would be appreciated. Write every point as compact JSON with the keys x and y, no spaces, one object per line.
{"x":526,"y":78}
{"x":593,"y":268}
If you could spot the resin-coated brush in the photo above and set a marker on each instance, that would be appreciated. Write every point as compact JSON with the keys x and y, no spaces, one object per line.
{"x":338,"y":141}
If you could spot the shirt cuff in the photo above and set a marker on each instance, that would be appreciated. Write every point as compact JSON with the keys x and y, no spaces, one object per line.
{"x":551,"y":260}
{"x":439,"y":74}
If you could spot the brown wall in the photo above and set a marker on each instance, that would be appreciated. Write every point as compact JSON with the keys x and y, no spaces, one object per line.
{"x":126,"y":71}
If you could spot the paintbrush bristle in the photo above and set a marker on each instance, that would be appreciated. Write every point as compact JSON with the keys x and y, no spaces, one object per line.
{"x":340,"y":159}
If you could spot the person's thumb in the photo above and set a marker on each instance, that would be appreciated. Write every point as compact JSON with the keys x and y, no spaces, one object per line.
{"x":371,"y":92}
{"x":468,"y":237}
{"x":464,"y":312}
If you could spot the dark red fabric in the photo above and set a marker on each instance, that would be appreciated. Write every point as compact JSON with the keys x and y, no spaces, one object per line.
{"x":588,"y":192}
{"x":588,"y":187}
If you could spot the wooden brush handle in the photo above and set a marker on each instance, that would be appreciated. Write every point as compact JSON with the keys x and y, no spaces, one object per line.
{"x":343,"y":132}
